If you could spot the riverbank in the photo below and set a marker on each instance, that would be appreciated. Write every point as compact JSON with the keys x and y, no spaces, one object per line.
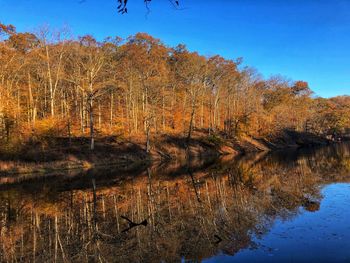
{"x":64,"y":154}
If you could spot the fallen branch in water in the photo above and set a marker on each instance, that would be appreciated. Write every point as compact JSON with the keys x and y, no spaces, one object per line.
{"x":133,"y":224}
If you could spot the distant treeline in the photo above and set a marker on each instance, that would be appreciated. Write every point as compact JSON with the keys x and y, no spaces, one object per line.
{"x":55,"y":85}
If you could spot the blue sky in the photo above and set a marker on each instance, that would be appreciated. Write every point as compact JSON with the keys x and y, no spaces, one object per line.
{"x":301,"y":39}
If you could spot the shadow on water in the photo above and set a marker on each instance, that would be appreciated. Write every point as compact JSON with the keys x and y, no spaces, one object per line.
{"x":170,"y":213}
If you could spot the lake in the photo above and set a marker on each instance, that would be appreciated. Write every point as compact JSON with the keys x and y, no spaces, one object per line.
{"x":287,"y":206}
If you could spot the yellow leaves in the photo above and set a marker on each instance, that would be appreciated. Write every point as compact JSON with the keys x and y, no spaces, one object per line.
{"x":44,"y":128}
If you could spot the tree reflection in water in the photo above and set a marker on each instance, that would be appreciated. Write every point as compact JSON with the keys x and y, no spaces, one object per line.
{"x":169,"y":214}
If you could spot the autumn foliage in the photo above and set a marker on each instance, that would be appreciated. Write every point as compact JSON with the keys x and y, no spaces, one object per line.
{"x":55,"y":85}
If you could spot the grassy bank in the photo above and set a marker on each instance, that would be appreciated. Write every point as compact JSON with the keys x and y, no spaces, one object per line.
{"x":49,"y":155}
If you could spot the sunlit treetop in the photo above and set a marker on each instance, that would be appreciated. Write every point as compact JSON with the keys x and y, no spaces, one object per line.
{"x":7,"y":29}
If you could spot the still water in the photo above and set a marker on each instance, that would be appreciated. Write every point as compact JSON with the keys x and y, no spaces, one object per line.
{"x":282,"y":207}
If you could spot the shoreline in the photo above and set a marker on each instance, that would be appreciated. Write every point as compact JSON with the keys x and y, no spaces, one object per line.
{"x":59,"y":157}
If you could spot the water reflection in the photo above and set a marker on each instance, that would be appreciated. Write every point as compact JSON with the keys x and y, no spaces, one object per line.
{"x":173,"y":213}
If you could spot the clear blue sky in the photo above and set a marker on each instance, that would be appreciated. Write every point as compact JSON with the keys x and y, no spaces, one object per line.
{"x":301,"y":39}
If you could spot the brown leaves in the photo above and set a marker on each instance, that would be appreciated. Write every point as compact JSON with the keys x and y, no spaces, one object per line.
{"x":7,"y":29}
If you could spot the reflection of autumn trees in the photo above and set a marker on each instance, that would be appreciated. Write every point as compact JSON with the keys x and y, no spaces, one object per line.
{"x":193,"y":214}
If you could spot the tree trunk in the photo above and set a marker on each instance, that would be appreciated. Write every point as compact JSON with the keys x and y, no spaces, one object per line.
{"x":148,"y":136}
{"x":191,"y":123}
{"x":111,"y":112}
{"x":92,"y":132}
{"x":51,"y":89}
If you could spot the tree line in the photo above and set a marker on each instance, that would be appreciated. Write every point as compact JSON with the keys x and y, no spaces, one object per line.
{"x":54,"y":85}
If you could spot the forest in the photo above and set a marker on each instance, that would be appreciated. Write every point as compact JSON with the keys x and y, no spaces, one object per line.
{"x":53,"y":85}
